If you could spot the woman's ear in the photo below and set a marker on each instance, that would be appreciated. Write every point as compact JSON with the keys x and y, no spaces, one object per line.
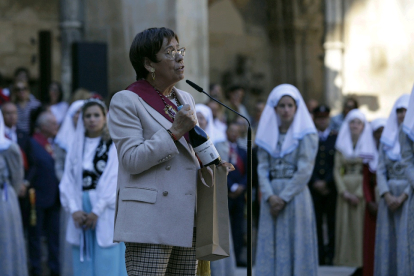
{"x":148,"y":65}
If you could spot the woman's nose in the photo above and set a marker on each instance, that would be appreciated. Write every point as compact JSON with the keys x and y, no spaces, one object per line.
{"x":178,"y":57}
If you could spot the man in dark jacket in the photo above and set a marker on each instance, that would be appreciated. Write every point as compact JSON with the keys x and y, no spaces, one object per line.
{"x":322,"y":185}
{"x":236,"y":181}
{"x":43,"y":179}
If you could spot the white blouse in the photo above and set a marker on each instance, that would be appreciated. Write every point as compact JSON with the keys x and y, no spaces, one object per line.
{"x":89,"y":151}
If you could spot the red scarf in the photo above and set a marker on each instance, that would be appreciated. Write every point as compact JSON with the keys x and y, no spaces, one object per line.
{"x":44,"y":142}
{"x":145,"y":90}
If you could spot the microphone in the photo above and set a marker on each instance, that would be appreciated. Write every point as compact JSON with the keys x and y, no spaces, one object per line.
{"x":249,"y":177}
{"x":195,"y":86}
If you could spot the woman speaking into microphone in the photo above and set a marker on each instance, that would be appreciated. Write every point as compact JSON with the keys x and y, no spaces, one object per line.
{"x":156,"y":193}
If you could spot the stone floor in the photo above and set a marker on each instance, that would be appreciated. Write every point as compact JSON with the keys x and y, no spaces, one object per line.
{"x":323,"y":271}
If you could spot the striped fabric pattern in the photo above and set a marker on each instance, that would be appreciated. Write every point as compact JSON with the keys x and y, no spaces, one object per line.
{"x":23,"y":123}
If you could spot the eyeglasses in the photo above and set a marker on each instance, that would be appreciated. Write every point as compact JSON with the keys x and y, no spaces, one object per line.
{"x":170,"y":54}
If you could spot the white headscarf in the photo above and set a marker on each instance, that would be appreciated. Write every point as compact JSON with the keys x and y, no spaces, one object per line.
{"x":211,"y":130}
{"x":66,"y":132}
{"x":378,"y":123}
{"x":408,"y":124}
{"x":365,"y":147}
{"x":4,"y":142}
{"x":389,"y":137}
{"x":75,"y":158}
{"x":268,"y":130}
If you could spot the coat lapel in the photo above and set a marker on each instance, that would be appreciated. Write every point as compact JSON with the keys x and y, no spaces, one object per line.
{"x":163,"y":121}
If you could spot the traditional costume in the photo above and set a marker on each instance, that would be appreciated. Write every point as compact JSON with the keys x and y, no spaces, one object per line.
{"x":348,"y":175}
{"x":89,"y":184}
{"x":12,"y":246}
{"x":407,"y":159}
{"x":369,"y":186}
{"x":287,"y":244}
{"x":62,"y":142}
{"x":391,"y":248}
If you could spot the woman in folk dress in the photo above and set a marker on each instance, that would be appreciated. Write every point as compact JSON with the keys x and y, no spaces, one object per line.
{"x":288,"y":142}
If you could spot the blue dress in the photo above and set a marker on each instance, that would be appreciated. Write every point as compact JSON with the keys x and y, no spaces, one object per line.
{"x":13,"y":260}
{"x":391,"y":248}
{"x":407,"y":154}
{"x":288,"y":244}
{"x":97,"y":260}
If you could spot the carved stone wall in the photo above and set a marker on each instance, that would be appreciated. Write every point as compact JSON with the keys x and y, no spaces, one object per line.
{"x":296,"y":31}
{"x":262,"y":43}
{"x":240,"y":49}
{"x":20,"y":22}
{"x":117,"y":23}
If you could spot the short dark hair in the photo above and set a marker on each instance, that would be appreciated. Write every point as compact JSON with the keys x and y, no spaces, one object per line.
{"x":147,"y":44}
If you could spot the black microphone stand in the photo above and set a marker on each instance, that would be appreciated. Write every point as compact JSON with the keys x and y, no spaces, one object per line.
{"x":249,"y":178}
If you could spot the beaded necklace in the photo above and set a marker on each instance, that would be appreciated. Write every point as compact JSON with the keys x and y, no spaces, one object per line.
{"x":169,"y":110}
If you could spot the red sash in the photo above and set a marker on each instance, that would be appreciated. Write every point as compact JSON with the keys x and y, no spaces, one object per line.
{"x":42,"y":140}
{"x":145,"y":90}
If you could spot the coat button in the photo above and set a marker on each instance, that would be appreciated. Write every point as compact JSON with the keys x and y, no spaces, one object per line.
{"x":168,"y":168}
{"x":165,"y":193}
{"x":169,"y":155}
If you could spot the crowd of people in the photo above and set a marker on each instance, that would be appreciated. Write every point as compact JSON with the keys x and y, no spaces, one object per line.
{"x":52,"y":197}
{"x":332,"y":190}
{"x":327,"y":190}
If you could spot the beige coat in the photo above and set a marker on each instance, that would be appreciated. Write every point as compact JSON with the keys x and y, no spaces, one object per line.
{"x":156,"y":193}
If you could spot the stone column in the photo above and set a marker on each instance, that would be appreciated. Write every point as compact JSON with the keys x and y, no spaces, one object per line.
{"x":71,"y":31}
{"x":334,"y":53}
{"x":192,"y":28}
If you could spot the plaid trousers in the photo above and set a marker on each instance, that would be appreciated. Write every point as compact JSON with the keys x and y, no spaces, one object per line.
{"x":158,"y":260}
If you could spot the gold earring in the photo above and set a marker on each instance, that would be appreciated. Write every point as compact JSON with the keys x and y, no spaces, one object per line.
{"x":153,"y":73}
